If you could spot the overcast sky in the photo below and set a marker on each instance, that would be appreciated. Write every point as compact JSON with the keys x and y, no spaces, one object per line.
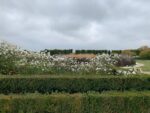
{"x":77,"y":24}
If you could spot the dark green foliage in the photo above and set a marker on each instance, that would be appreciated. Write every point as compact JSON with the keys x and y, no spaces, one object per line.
{"x":76,"y":103}
{"x":7,"y":63}
{"x":116,"y":51}
{"x":136,"y":51}
{"x":68,"y":51}
{"x":7,"y":66}
{"x":116,"y":104}
{"x":92,"y":51}
{"x":71,"y":84}
{"x":145,"y":54}
{"x":58,"y":51}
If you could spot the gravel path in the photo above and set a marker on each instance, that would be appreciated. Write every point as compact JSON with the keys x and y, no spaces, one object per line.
{"x":138,"y":65}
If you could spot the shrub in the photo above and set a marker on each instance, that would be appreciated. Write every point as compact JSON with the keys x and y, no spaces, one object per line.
{"x":116,"y":51}
{"x":92,"y":51}
{"x":128,"y":53}
{"x":143,"y":48}
{"x":72,"y":84}
{"x":17,"y":61}
{"x":125,"y":60}
{"x":145,"y":54}
{"x":8,"y":58}
{"x":58,"y":51}
{"x":76,"y":103}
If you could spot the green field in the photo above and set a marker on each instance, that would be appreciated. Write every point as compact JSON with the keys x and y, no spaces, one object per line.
{"x":146,"y":63}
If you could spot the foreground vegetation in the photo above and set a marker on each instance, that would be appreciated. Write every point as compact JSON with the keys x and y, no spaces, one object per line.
{"x":106,"y":102}
{"x":37,"y":82}
{"x":72,"y":84}
{"x":14,"y":60}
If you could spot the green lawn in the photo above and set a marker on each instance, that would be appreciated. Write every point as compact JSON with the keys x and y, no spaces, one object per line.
{"x":146,"y":63}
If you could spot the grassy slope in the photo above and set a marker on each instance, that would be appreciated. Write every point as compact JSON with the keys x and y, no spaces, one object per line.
{"x":146,"y":63}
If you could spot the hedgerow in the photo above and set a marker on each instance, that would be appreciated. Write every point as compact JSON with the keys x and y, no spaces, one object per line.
{"x":76,"y":103}
{"x":72,"y":84}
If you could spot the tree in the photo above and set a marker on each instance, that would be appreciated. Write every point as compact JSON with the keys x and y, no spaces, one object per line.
{"x":143,"y":48}
{"x":128,"y":52}
{"x":145,"y":54}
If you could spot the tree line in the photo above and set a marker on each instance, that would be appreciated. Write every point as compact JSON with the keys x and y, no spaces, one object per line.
{"x":83,"y":51}
{"x":140,"y":53}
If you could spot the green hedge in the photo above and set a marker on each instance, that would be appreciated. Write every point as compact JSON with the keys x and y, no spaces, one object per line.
{"x":92,"y":51}
{"x":58,"y":51}
{"x":71,"y":84}
{"x":76,"y":103}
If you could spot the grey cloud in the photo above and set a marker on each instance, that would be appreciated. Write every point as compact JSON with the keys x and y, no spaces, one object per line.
{"x":81,"y":24}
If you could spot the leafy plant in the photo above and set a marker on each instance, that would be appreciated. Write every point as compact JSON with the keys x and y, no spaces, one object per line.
{"x":145,"y":54}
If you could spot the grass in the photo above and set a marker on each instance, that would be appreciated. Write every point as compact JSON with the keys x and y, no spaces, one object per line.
{"x":74,"y":76}
{"x":146,"y":63}
{"x":103,"y":94}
